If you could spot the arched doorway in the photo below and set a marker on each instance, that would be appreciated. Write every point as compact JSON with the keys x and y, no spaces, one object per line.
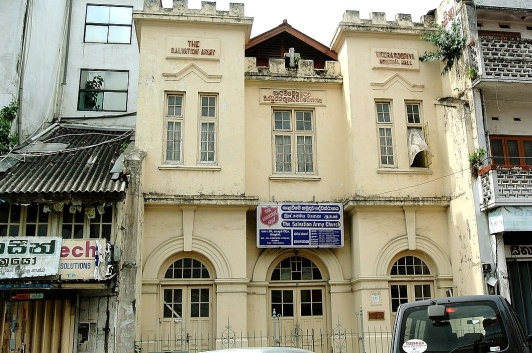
{"x":187,"y":291}
{"x":411,"y":281}
{"x":297,"y":293}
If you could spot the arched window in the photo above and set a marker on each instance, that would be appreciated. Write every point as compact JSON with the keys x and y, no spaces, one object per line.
{"x":296,"y":268}
{"x":405,"y":288}
{"x":187,"y":268}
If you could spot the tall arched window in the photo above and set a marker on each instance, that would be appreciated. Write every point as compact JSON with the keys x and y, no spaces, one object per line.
{"x":406,"y":287}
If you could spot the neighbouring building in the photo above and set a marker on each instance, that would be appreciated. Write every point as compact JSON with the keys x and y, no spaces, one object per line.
{"x":69,"y":196}
{"x":287,"y":184}
{"x":490,"y":110}
{"x":33,"y":38}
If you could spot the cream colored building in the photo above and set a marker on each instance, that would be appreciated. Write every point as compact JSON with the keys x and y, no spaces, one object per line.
{"x":235,"y":142}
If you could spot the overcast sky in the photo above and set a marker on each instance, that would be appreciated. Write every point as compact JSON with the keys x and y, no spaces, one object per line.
{"x":318,"y":18}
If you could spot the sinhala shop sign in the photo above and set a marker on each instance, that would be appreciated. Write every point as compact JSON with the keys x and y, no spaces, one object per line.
{"x":22,"y":257}
{"x":300,"y":225}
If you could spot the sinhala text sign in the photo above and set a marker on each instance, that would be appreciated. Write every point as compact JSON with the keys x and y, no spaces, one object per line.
{"x":22,"y":257}
{"x":300,"y":225}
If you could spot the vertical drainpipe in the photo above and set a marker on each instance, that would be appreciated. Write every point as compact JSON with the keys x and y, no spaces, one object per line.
{"x":21,"y":67}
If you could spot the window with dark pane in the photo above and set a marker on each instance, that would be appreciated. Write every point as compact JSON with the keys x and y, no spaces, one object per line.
{"x":36,"y":220}
{"x":101,"y":225}
{"x":283,"y":302}
{"x":296,"y":268}
{"x":173,"y":303}
{"x":10,"y":219}
{"x":399,"y":295}
{"x":73,"y":223}
{"x":409,"y":265}
{"x":187,"y":268}
{"x":199,"y":302}
{"x":311,"y":302}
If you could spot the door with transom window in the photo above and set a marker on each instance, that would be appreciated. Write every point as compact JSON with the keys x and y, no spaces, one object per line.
{"x":411,"y":282}
{"x":186,"y":316}
{"x":297,"y":299}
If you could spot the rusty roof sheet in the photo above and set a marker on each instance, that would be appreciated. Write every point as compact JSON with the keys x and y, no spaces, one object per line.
{"x":67,"y":160}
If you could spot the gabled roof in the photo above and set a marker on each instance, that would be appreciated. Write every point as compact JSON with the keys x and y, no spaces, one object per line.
{"x":71,"y":160}
{"x":300,"y":41}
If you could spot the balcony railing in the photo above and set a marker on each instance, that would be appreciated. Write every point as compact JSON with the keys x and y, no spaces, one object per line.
{"x":506,"y":58}
{"x":505,"y":186}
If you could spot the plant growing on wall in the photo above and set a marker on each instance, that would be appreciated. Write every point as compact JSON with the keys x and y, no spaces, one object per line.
{"x":450,"y":43}
{"x":91,"y":97}
{"x":475,"y":160}
{"x":7,"y":115}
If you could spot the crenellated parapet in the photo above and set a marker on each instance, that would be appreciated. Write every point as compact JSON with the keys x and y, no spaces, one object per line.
{"x":377,"y":23}
{"x":304,"y":72}
{"x":207,"y":12}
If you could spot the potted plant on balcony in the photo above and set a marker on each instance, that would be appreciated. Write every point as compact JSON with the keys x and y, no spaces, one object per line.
{"x":475,"y":161}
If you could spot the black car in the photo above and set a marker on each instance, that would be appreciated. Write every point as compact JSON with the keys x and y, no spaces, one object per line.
{"x":467,"y":324}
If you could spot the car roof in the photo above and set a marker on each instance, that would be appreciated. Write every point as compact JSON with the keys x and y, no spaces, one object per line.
{"x":450,"y":300}
{"x":261,"y":350}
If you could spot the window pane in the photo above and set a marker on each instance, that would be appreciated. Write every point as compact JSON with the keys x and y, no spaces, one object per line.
{"x":208,"y":106}
{"x":15,"y":213}
{"x":513,"y":151}
{"x":174,"y":105}
{"x":527,"y":148}
{"x":303,"y":121}
{"x":497,"y":152}
{"x":4,"y":212}
{"x":283,"y":154}
{"x":90,"y":101}
{"x":96,"y":34}
{"x":282,"y":121}
{"x":120,"y":15}
{"x":115,"y":101}
{"x":204,"y":310}
{"x":98,"y":14}
{"x":383,"y":112}
{"x":30,"y":230}
{"x":116,"y":80}
{"x":207,"y":142}
{"x":386,"y":148}
{"x":304,"y":154}
{"x":413,"y":113}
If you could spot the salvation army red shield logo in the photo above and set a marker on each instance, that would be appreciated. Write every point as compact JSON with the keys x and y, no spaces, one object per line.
{"x":269,"y":215}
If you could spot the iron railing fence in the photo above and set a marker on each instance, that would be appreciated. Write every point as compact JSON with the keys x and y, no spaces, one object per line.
{"x":340,"y":340}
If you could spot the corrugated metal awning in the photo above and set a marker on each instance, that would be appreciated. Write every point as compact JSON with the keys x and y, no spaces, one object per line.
{"x":67,"y":160}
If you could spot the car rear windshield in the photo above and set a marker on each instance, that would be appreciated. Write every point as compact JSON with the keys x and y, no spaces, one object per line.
{"x":467,"y":327}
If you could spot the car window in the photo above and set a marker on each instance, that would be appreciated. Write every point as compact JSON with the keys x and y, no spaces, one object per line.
{"x":467,"y":327}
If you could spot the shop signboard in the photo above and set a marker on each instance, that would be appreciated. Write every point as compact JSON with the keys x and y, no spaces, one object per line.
{"x":83,"y":259}
{"x":300,"y":225}
{"x":26,"y":257}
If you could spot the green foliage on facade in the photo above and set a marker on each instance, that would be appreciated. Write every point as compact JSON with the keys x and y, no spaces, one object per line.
{"x":450,"y":43}
{"x":7,"y":115}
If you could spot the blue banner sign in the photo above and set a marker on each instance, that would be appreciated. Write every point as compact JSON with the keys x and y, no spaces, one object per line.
{"x":300,"y":225}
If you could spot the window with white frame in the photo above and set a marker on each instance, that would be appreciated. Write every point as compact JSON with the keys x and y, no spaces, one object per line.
{"x":385,"y":133}
{"x":174,"y":128}
{"x":418,"y":149}
{"x":23,"y":220}
{"x":293,"y":136}
{"x":207,"y":127}
{"x":103,"y":90}
{"x":108,"y":24}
